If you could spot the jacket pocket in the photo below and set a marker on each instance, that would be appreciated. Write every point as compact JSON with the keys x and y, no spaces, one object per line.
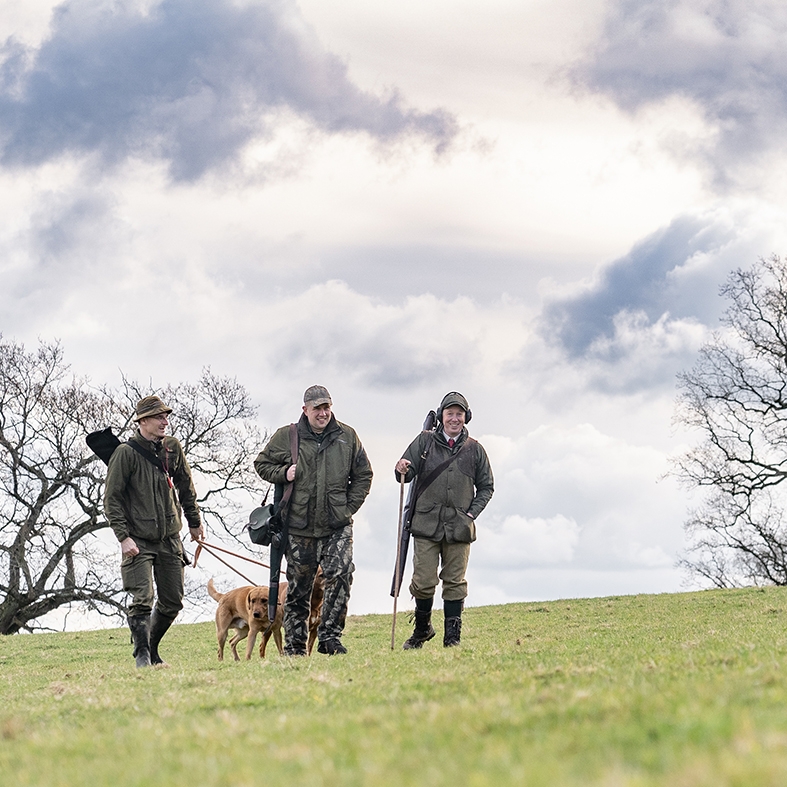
{"x":144,"y":528}
{"x":297,"y":516}
{"x":339,"y":510}
{"x":462,"y":529}
{"x":173,"y":525}
{"x":426,"y":520}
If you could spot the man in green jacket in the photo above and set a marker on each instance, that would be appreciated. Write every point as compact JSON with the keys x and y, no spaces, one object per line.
{"x":148,"y":482}
{"x":332,"y":477}
{"x":454,"y":485}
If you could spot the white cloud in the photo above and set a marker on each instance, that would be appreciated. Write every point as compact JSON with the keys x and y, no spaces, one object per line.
{"x":603,"y":490}
{"x":725,"y":57}
{"x":522,"y":543}
{"x":190,"y":81}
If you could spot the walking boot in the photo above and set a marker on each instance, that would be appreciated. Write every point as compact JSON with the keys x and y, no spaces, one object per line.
{"x":140,"y":635}
{"x":159,"y":625}
{"x":453,"y":632}
{"x":331,"y":647}
{"x":423,"y":632}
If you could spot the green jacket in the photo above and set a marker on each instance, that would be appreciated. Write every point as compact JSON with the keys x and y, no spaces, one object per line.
{"x":138,"y":500}
{"x":464,"y":487}
{"x":332,"y":479}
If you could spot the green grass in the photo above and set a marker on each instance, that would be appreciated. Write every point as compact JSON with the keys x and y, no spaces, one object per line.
{"x":686,"y":689}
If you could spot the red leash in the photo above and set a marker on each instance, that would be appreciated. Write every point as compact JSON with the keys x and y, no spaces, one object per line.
{"x":209,"y":549}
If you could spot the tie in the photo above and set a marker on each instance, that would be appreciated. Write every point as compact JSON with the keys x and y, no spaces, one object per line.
{"x":451,"y":442}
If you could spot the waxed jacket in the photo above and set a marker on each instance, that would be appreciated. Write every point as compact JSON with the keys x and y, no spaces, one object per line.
{"x":464,"y":487}
{"x":138,"y":499}
{"x":332,"y":478}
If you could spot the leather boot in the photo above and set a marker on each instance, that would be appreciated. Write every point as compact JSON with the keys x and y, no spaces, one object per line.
{"x":453,"y":632}
{"x":159,"y":625}
{"x":331,"y":647}
{"x":423,"y":631}
{"x":140,"y":635}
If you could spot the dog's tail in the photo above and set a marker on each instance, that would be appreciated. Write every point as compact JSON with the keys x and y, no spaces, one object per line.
{"x":214,"y":594}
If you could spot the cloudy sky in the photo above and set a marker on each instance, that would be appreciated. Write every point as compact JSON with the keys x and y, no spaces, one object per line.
{"x":529,"y":201}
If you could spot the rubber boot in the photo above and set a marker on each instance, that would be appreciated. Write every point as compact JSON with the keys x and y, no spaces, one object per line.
{"x":453,"y":632}
{"x":159,"y":625}
{"x":423,"y":632}
{"x":140,"y":635}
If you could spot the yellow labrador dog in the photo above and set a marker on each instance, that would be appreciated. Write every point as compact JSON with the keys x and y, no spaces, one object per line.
{"x":246,"y":610}
{"x":315,"y":613}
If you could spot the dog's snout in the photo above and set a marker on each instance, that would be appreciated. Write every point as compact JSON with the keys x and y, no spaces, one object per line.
{"x":257,"y":615}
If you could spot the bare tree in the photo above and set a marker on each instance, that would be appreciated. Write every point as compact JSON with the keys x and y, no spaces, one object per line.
{"x":51,"y":485}
{"x":736,"y":395}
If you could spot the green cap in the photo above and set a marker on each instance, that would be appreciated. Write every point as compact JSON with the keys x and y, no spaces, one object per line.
{"x":454,"y":398}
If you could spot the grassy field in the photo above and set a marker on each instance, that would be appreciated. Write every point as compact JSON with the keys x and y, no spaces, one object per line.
{"x":686,"y":689}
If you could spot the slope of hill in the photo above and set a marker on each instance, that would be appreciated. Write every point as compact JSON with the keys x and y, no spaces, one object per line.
{"x":683,"y":689}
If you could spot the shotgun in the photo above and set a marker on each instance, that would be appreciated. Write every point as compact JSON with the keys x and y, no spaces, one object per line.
{"x":404,"y":525}
{"x":279,"y":538}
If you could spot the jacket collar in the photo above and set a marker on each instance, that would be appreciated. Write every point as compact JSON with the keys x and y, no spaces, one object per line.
{"x":152,"y":446}
{"x":305,"y":430}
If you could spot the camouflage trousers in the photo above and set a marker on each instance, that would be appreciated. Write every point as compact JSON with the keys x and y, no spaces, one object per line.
{"x":304,"y":554}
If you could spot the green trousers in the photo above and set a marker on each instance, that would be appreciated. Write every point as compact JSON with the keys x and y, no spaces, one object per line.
{"x":427,"y":558}
{"x":159,"y":562}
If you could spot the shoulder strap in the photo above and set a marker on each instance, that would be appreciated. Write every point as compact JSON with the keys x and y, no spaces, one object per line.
{"x":285,"y":500}
{"x":424,"y":482}
{"x":149,"y":455}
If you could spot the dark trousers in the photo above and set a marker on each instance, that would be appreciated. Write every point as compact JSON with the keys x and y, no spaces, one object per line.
{"x":159,"y":562}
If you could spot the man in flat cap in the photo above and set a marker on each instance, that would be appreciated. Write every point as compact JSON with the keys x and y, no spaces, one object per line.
{"x":331,"y":478}
{"x":148,"y":484}
{"x":454,"y":485}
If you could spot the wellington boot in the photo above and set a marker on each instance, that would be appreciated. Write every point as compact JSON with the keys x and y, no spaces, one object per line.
{"x":159,"y":625}
{"x":140,"y":635}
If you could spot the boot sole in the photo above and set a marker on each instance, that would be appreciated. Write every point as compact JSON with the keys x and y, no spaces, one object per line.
{"x":420,"y":643}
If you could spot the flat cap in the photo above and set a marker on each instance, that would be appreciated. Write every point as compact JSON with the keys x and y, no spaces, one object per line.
{"x":454,"y":398}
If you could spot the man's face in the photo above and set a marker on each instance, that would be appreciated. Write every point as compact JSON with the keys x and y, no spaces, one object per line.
{"x":154,"y":427}
{"x":318,"y":416}
{"x":453,"y":420}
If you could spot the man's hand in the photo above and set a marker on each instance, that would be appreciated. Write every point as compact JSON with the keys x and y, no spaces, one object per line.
{"x":197,"y":533}
{"x":128,"y":547}
{"x":402,"y":466}
{"x":291,"y":472}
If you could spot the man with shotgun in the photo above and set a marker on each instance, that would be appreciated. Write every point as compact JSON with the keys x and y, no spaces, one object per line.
{"x":330,"y":477}
{"x":453,"y":484}
{"x":148,"y":483}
